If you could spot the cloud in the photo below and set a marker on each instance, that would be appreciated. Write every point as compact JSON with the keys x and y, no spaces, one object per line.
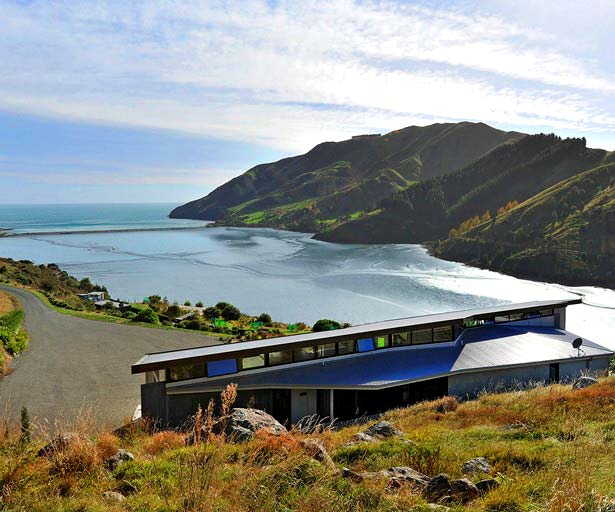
{"x":288,"y":74}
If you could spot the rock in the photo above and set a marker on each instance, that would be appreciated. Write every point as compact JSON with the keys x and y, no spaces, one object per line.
{"x":113,"y":462}
{"x":463,"y":490}
{"x":438,"y":487}
{"x":318,"y":452}
{"x":399,"y":475}
{"x":241,"y":424}
{"x":383,"y":429}
{"x":362,"y":437}
{"x":63,"y":442}
{"x":486,"y":485}
{"x":476,"y":465}
{"x":352,"y":475}
{"x":113,"y":497}
{"x":583,"y":382}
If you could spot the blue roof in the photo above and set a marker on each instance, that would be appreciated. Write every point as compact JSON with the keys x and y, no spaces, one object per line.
{"x":480,"y":348}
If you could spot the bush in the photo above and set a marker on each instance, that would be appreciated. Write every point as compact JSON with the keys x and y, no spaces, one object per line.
{"x":228,"y":311}
{"x":265,"y":318}
{"x":325,"y":325}
{"x":199,"y":304}
{"x":162,"y":441}
{"x":187,"y":303}
{"x":17,"y":343}
{"x":211,"y":313}
{"x":107,"y":446}
{"x":147,"y":315}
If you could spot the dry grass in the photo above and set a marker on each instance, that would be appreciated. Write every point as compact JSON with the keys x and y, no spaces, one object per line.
{"x":8,"y":303}
{"x":552,"y":450}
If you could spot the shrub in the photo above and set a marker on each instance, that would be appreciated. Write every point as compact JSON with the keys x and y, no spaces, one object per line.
{"x":107,"y":446}
{"x":445,"y":404}
{"x":211,"y":312}
{"x":147,"y":315}
{"x":162,"y":441}
{"x":228,"y":311}
{"x":199,"y":304}
{"x":325,"y":324}
{"x":187,"y":303}
{"x":265,"y":318}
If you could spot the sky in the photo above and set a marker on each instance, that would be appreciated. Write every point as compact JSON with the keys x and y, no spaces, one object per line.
{"x":126,"y":101}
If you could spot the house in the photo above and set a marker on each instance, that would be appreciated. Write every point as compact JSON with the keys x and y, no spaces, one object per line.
{"x":370,"y":368}
{"x":93,"y":296}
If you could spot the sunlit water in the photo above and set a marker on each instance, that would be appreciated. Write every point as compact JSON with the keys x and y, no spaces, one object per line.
{"x":289,"y":275}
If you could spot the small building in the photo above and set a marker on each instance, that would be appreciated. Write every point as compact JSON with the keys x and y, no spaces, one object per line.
{"x":93,"y":296}
{"x":367,"y":369}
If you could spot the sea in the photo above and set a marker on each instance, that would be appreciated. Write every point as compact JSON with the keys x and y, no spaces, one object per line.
{"x":135,"y":250}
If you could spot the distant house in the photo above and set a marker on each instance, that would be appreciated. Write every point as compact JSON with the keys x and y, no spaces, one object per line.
{"x":111,"y":303}
{"x":367,"y":369}
{"x":93,"y":296}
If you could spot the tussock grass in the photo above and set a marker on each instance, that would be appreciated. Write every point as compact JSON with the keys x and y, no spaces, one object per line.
{"x":552,"y":450}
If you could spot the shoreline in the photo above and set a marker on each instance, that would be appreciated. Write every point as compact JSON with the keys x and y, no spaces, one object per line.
{"x":6,"y":233}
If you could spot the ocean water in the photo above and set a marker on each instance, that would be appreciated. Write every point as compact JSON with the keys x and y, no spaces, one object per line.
{"x":289,"y":275}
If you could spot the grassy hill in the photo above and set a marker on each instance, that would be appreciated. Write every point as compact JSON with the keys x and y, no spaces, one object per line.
{"x":551,"y":449}
{"x":338,"y":181}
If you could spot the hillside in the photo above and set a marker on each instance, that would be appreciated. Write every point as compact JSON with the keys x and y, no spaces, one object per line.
{"x":549,"y":449}
{"x":336,"y":181}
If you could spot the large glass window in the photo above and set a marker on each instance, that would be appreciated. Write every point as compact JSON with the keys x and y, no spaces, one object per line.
{"x":381,"y":341}
{"x":443,"y":333}
{"x":303,"y":354}
{"x":188,"y":371}
{"x":502,"y":318}
{"x":223,"y":367}
{"x":421,"y":336}
{"x":546,"y":312}
{"x":345,"y":347}
{"x":247,"y":363}
{"x":400,"y":338}
{"x":326,"y":350}
{"x":282,"y":357}
{"x":365,"y":344}
{"x":516,"y":316}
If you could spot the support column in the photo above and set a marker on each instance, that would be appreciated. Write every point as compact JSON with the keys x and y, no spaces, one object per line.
{"x":331,"y":407}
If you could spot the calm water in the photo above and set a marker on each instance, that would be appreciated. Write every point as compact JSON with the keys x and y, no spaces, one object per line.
{"x":288,"y":275}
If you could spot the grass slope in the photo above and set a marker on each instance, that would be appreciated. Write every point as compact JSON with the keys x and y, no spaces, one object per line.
{"x":552,"y":450}
{"x":333,"y":181}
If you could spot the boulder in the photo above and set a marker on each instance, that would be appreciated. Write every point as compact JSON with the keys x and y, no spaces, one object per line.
{"x":241,"y":424}
{"x":113,"y":462}
{"x":583,"y":382}
{"x":476,"y":465}
{"x":404,"y":475}
{"x":317,"y":451}
{"x":362,"y":437}
{"x":463,"y":490}
{"x":486,"y":485}
{"x":382,"y":430}
{"x":438,"y":487}
{"x":113,"y":497}
{"x":63,"y":442}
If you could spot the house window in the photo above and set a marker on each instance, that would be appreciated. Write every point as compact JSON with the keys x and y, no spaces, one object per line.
{"x":546,"y":312}
{"x":516,"y":316}
{"x":247,"y":363}
{"x":421,"y":336}
{"x":381,"y":341}
{"x":400,"y":338}
{"x":282,"y":357}
{"x":365,"y":344}
{"x":223,"y":367}
{"x":303,"y":354}
{"x":502,"y":318}
{"x":188,"y":371}
{"x":345,"y":347}
{"x":443,"y":334}
{"x":326,"y":350}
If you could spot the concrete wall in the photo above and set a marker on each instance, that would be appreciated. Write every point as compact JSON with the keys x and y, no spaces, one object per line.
{"x":570,"y":370}
{"x":468,"y":385}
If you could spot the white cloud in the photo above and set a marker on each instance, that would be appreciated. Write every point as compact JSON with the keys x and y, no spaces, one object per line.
{"x":290,"y":75}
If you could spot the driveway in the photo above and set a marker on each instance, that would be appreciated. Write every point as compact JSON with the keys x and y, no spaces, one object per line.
{"x":73,"y":363}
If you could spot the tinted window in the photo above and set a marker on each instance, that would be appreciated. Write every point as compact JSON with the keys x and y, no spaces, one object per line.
{"x":221,"y":367}
{"x":303,"y":354}
{"x":345,"y":347}
{"x":283,"y":357}
{"x":246,"y":363}
{"x":421,"y":336}
{"x":190,"y":371}
{"x":400,"y":338}
{"x":443,"y":333}
{"x":365,"y":345}
{"x":326,"y":350}
{"x":381,"y":341}
{"x":501,"y":318}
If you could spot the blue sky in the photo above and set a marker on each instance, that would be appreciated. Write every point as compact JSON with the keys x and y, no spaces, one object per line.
{"x":123,"y":101}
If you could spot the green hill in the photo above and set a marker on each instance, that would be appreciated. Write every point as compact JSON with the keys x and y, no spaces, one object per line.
{"x":337,"y":181}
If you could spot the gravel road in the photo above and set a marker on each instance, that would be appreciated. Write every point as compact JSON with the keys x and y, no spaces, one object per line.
{"x":72,"y":363}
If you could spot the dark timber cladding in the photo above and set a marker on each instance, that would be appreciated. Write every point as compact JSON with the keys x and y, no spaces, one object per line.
{"x":166,"y":360}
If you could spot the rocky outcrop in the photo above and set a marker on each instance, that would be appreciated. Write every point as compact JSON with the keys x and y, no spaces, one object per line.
{"x":583,"y":382}
{"x":462,"y":490}
{"x":383,"y":430}
{"x":476,"y":465}
{"x":438,"y":487}
{"x":315,"y":449}
{"x":486,"y":485}
{"x":241,"y":424}
{"x":113,"y":462}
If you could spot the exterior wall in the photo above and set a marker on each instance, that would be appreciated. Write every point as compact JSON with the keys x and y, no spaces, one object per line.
{"x":572,"y":369}
{"x":153,"y":401}
{"x":468,"y":385}
{"x":302,"y":403}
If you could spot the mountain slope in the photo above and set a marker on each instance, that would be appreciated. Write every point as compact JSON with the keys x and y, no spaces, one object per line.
{"x":338,"y":181}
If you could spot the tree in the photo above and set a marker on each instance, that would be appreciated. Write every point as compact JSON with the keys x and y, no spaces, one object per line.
{"x":211,"y":312}
{"x":199,"y":304}
{"x":173,"y":311}
{"x":324,"y":324}
{"x":265,"y":318}
{"x":187,"y":303}
{"x":230,"y":312}
{"x":148,"y":316}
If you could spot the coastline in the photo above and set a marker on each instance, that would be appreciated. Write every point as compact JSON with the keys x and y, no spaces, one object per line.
{"x":7,"y":234}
